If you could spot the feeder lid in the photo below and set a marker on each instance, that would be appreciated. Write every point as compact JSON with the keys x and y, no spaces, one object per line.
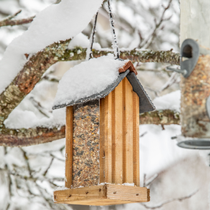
{"x":82,"y":83}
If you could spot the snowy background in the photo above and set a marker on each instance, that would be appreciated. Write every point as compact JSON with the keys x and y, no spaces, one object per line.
{"x":178,"y":178}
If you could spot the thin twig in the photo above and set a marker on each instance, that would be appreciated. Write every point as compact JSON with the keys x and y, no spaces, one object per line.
{"x":170,"y":200}
{"x":10,"y":22}
{"x":14,"y":15}
{"x":148,"y":41}
{"x":39,"y":107}
{"x":26,"y":161}
{"x":44,"y":174}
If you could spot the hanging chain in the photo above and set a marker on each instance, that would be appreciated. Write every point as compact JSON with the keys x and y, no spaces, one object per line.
{"x":89,"y":53}
{"x":115,"y":44}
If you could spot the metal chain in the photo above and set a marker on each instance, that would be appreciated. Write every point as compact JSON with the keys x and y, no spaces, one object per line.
{"x":115,"y":44}
{"x":92,"y":38}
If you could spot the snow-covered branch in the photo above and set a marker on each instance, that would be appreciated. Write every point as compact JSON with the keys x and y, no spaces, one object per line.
{"x":37,"y":64}
{"x":33,"y":136}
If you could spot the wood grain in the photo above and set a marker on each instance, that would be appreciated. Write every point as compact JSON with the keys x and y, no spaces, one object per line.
{"x":128,"y":132}
{"x":69,"y":146}
{"x":118,"y":134}
{"x":107,"y":194}
{"x":136,"y":147}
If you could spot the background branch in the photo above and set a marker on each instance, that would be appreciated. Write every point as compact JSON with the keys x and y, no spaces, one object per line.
{"x":33,"y":136}
{"x":9,"y":21}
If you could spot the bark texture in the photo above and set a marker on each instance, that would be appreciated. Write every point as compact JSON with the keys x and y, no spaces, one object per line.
{"x":33,"y":136}
{"x":36,"y":66}
{"x":160,"y":117}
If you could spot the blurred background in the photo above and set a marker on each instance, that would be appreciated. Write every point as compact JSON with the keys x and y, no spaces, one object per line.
{"x":178,"y":179}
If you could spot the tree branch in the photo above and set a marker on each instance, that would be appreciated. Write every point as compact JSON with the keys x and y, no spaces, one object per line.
{"x":160,"y":117}
{"x":31,"y":74}
{"x":10,"y":22}
{"x":33,"y":70}
{"x":171,"y":200}
{"x":33,"y":136}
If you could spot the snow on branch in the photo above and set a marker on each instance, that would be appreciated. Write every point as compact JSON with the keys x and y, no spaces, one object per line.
{"x":32,"y":136}
{"x":35,"y":51}
{"x":37,"y":64}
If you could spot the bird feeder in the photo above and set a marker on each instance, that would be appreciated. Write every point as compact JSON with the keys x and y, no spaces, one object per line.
{"x":102,"y":144}
{"x":195,"y":100}
{"x":195,"y":92}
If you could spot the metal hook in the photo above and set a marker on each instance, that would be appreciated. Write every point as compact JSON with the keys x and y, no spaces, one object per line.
{"x":183,"y":72}
{"x":189,"y":55}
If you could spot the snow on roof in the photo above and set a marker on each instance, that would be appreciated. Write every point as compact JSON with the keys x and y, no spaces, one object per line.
{"x":69,"y":18}
{"x":95,"y":79}
{"x":88,"y":78}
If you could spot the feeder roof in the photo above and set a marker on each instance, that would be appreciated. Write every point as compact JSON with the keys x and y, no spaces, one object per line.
{"x":95,"y":79}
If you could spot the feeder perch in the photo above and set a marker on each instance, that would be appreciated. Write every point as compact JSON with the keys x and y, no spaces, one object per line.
{"x":102,"y":144}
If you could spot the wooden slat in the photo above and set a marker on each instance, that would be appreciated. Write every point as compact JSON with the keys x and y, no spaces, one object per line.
{"x":136,"y":177}
{"x":130,"y":193}
{"x":97,"y":202}
{"x":108,"y":141}
{"x":108,"y":194}
{"x":128,"y":132}
{"x":102,"y":140}
{"x":85,"y":193}
{"x":69,"y":141}
{"x":118,"y":135}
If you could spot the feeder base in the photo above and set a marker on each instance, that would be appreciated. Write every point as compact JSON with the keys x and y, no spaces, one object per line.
{"x":107,"y":194}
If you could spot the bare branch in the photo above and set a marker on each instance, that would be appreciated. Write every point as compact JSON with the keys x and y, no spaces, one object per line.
{"x":44,"y":174}
{"x":160,"y":117}
{"x":39,"y":107}
{"x":147,"y":42}
{"x":10,"y":22}
{"x":170,"y":200}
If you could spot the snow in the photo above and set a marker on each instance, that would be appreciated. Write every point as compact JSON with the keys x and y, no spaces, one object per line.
{"x":26,"y":115}
{"x":27,"y":119}
{"x":80,"y":40}
{"x":128,"y":184}
{"x":87,"y":78}
{"x":157,"y":150}
{"x":168,"y":101}
{"x":68,"y":18}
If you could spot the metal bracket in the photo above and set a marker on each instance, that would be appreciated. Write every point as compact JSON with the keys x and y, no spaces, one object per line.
{"x":183,"y":72}
{"x":189,"y":55}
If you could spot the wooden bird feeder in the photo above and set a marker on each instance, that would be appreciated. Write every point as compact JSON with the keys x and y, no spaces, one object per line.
{"x":102,"y":145}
